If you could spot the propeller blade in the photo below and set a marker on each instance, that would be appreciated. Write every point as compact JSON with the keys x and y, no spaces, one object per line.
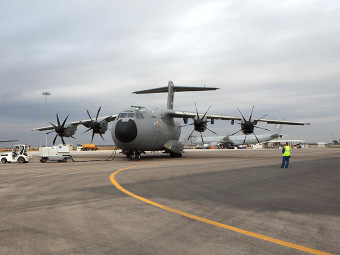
{"x":55,"y":138}
{"x":190,"y":135}
{"x":206,"y":112}
{"x":87,"y":110}
{"x":98,"y":113}
{"x":263,"y":116}
{"x":212,"y":131}
{"x":262,"y":128}
{"x":58,"y":120}
{"x":251,"y":115}
{"x":236,"y":132}
{"x":52,"y":125}
{"x":101,"y":136}
{"x":188,"y":125}
{"x":62,"y":139}
{"x":242,"y":115}
{"x":65,"y":121}
{"x":87,"y":131}
{"x":256,"y":138}
{"x":202,"y":138}
{"x":244,"y":140}
{"x":197,"y":111}
{"x":92,"y":137}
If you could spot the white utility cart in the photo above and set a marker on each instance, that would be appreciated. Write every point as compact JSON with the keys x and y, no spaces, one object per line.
{"x":60,"y":153}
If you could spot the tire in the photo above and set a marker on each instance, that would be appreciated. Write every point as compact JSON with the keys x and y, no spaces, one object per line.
{"x":21,"y":160}
{"x":3,"y":160}
{"x":64,"y":160}
{"x":43,"y":160}
{"x":130,"y":155}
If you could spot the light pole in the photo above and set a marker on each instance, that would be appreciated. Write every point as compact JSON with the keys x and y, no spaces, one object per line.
{"x":46,"y":94}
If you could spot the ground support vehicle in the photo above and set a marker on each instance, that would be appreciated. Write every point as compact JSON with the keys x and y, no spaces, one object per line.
{"x":89,"y":147}
{"x":60,"y":153}
{"x":19,"y":154}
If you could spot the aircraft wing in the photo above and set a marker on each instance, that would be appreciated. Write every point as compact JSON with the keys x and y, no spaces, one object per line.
{"x":79,"y":122}
{"x":182,"y":114}
{"x":186,"y":115}
{"x":8,"y":141}
{"x":284,"y":122}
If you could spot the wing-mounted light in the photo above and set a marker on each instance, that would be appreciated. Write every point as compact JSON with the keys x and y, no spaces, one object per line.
{"x":248,"y":126}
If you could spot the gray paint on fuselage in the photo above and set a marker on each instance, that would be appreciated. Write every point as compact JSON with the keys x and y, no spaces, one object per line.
{"x":154,"y":129}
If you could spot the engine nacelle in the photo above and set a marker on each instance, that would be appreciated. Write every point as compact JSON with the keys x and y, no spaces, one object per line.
{"x":102,"y":127}
{"x":200,"y":125}
{"x":97,"y":127}
{"x":69,"y":130}
{"x":247,"y":127}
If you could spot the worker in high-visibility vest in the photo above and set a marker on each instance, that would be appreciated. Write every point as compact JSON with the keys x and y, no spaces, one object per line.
{"x":285,"y":156}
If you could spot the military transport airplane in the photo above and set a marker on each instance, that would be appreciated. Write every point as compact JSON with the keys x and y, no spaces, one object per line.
{"x":234,"y":141}
{"x":137,"y":129}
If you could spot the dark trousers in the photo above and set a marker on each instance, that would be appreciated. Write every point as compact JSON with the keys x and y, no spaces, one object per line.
{"x":285,"y":161}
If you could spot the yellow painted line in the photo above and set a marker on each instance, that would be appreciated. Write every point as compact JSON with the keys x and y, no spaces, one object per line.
{"x":238,"y":230}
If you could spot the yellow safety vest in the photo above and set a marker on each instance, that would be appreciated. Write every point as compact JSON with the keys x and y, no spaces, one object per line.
{"x":287,"y":151}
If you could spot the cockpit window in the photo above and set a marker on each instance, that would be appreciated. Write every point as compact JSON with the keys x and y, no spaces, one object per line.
{"x":122,"y":115}
{"x":127,"y":115}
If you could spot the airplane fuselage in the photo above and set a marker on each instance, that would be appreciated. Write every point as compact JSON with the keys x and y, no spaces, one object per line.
{"x":141,"y":129}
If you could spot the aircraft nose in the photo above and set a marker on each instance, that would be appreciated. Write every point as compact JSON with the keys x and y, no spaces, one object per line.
{"x":126,"y":131}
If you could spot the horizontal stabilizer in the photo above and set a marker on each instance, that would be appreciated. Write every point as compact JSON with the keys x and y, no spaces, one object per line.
{"x":171,"y":89}
{"x":175,"y":88}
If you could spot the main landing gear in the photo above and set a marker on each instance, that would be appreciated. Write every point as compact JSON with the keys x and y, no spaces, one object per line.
{"x":133,"y":155}
{"x":175,"y":155}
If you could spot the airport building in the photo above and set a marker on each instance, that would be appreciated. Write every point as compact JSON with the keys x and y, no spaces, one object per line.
{"x":277,"y":143}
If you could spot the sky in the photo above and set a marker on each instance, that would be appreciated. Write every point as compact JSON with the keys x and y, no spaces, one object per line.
{"x":283,"y":57}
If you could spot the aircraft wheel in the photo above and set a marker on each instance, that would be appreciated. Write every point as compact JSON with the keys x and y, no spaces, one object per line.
{"x":137,"y":155}
{"x":21,"y":160}
{"x":3,"y":160}
{"x":130,"y":155}
{"x":175,"y":155}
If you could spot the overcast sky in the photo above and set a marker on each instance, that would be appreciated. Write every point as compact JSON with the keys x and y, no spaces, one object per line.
{"x":281,"y":56}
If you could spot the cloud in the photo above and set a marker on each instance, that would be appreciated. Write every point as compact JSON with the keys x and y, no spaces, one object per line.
{"x":281,"y":57}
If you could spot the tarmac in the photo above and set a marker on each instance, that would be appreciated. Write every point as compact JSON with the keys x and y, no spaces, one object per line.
{"x":207,"y":202}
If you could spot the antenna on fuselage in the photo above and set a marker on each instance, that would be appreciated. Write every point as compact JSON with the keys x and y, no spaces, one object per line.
{"x":171,"y":89}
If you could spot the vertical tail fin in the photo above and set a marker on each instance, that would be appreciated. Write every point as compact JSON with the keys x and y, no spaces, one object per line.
{"x":277,"y":129}
{"x":171,"y":93}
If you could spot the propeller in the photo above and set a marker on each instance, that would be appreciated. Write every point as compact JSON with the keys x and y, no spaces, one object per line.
{"x":59,"y":129}
{"x":200,"y":124}
{"x":94,"y":125}
{"x":248,"y":126}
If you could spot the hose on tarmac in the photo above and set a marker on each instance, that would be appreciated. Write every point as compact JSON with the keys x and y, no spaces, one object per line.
{"x":110,"y":158}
